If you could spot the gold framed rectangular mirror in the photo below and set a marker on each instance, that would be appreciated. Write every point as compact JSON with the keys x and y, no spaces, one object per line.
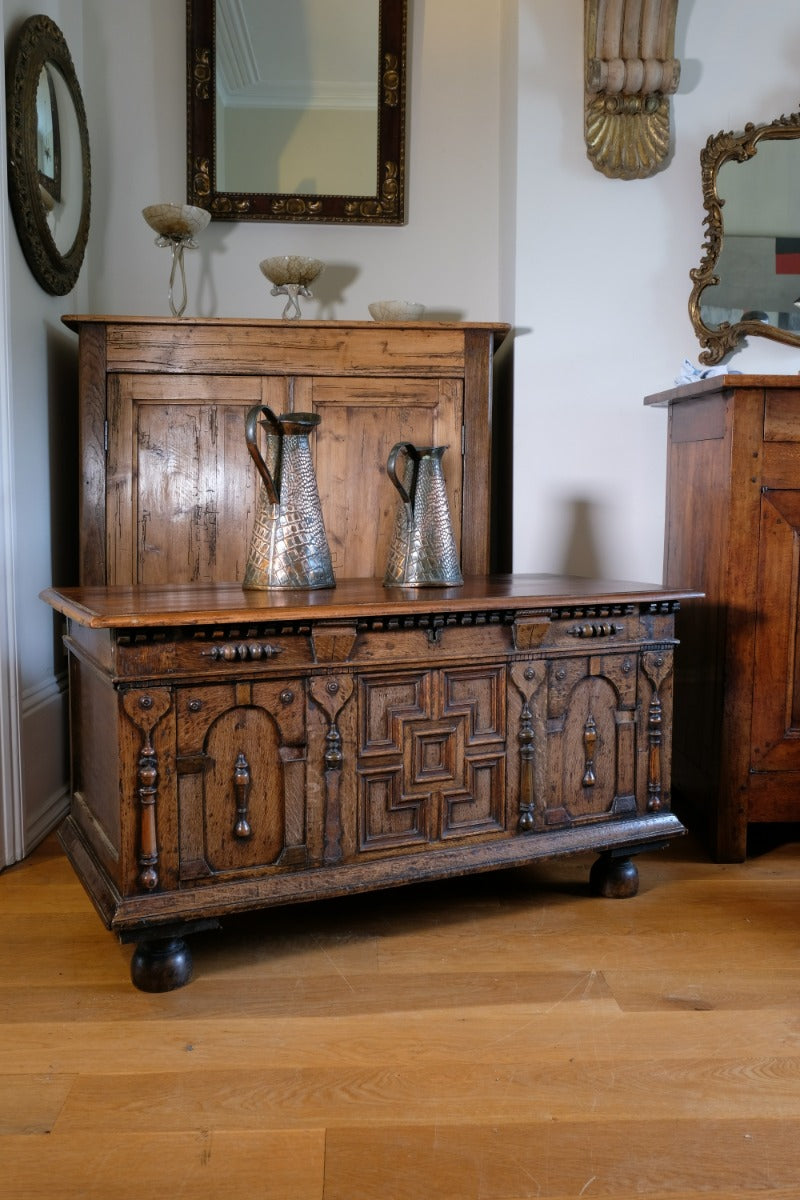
{"x":296,"y":112}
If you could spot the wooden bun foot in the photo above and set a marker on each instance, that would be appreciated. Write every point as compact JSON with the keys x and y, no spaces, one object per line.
{"x":161,"y":965}
{"x":615,"y":877}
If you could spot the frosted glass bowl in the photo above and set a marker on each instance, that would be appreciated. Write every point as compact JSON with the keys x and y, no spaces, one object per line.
{"x":284,"y":269}
{"x":395,"y":310}
{"x":176,"y":220}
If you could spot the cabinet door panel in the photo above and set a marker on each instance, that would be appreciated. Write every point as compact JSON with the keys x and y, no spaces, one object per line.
{"x":776,"y":683}
{"x":361,"y":420}
{"x":181,"y":485}
{"x":591,"y":739}
{"x":242,"y":771}
{"x":243,"y":807}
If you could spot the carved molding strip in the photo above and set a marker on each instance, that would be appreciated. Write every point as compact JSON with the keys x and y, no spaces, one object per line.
{"x":630,"y":71}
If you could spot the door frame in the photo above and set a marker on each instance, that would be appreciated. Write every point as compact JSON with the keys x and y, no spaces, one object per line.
{"x":11,"y":824}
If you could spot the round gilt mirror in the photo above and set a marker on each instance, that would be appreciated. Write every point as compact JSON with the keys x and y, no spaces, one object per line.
{"x":49,"y":173}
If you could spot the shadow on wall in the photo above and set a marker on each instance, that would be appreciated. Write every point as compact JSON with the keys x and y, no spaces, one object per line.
{"x":63,"y":460}
{"x":501,"y":551}
{"x":330,"y":289}
{"x":581,"y":552}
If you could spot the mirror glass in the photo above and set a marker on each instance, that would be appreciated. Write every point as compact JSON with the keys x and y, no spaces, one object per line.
{"x":299,"y":81}
{"x":59,"y":159}
{"x":48,"y":155}
{"x":749,"y":281}
{"x":296,"y":111}
{"x":48,"y":134}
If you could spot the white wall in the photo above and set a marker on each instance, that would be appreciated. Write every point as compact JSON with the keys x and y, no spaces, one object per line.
{"x":42,"y":389}
{"x":445,"y":256}
{"x":507,"y":219}
{"x":603,"y":280}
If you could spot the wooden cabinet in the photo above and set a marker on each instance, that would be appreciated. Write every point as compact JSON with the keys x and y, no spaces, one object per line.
{"x":168,"y":489}
{"x":234,"y":750}
{"x":732,"y":530}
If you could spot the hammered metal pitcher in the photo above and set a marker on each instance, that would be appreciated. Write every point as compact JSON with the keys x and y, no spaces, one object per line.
{"x":422,"y":552}
{"x":288,"y":546}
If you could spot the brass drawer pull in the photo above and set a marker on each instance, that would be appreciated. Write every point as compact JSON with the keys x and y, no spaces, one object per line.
{"x":606,"y":629}
{"x":241,"y":652}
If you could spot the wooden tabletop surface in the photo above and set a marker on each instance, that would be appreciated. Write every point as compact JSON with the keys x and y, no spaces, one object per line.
{"x":75,"y":320}
{"x":187,"y":604}
{"x":700,"y":388}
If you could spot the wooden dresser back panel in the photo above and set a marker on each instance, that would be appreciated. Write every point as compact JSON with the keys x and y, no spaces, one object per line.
{"x":178,"y":463}
{"x":168,"y":490}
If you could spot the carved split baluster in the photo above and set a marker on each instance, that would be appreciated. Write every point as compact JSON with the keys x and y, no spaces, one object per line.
{"x":145,"y":709}
{"x":527,"y":800}
{"x":241,"y":789}
{"x":147,"y":777}
{"x":333,"y":776}
{"x":654,"y":801}
{"x":331,"y":694}
{"x":589,"y":752}
{"x":333,"y":749}
{"x":657,"y":667}
{"x":527,"y":678}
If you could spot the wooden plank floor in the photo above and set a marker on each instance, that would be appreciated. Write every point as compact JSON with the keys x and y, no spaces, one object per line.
{"x":492,"y":1038}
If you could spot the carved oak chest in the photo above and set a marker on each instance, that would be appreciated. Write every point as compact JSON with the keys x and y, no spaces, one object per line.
{"x":234,"y":750}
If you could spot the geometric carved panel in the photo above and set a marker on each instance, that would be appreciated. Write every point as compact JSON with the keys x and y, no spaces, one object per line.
{"x":440,"y":740}
{"x":387,"y":816}
{"x":481,"y":694}
{"x":386,"y":702}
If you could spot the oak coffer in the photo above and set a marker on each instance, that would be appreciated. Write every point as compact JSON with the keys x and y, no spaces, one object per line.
{"x":234,"y":750}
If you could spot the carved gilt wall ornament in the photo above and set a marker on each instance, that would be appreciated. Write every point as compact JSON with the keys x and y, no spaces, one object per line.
{"x":631,"y":70}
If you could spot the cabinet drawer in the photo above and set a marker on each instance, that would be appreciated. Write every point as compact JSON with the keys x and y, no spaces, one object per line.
{"x":589,"y":630}
{"x":782,"y":415}
{"x":243,"y":652}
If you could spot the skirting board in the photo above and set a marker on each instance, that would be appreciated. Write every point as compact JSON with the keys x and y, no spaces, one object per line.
{"x":45,"y":764}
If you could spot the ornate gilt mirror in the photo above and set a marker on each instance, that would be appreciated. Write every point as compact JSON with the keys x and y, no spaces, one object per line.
{"x":296,"y":111}
{"x":748,"y":282}
{"x":49,"y":172}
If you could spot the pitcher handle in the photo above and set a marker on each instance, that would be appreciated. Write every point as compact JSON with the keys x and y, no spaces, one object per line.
{"x":251,"y":437}
{"x":391,"y":471}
